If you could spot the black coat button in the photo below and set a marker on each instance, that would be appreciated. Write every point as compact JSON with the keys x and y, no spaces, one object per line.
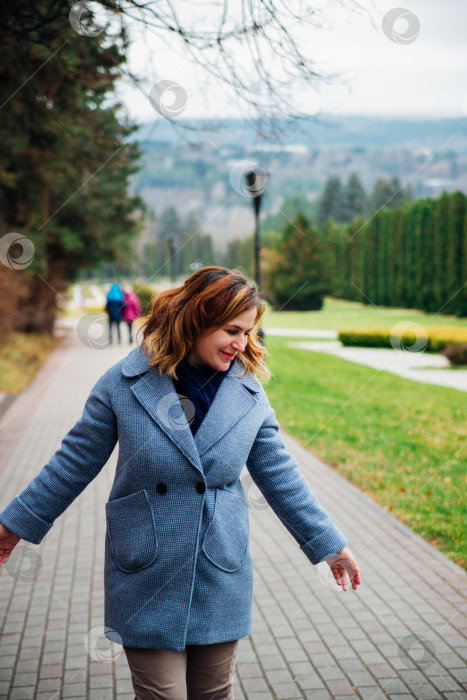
{"x":200,"y":487}
{"x":161,"y":488}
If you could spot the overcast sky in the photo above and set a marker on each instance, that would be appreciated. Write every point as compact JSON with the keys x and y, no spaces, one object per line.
{"x":424,"y":77}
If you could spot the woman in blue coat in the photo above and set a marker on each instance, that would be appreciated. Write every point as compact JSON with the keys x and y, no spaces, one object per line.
{"x":188,"y":412}
{"x":113,"y":306}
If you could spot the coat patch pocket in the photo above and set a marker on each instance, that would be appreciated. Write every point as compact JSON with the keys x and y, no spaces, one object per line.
{"x":225,"y":542}
{"x":132,"y":532}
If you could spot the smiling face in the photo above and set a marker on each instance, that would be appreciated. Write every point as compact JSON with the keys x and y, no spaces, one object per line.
{"x":217,"y":348}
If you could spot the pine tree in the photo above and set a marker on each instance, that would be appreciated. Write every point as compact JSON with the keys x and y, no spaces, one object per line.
{"x":440,"y":242}
{"x":389,"y":194}
{"x":397,"y":244}
{"x":411,"y":254}
{"x":428,"y":302}
{"x":330,"y":205}
{"x":332,"y":241}
{"x":372,"y":242}
{"x":67,"y":159}
{"x":418,"y":278}
{"x":384,"y":257}
{"x":391,"y":285}
{"x":354,"y":199}
{"x":355,"y":243}
{"x":295,"y":277}
{"x":461,"y":298}
{"x":454,"y":280}
{"x":170,"y":223}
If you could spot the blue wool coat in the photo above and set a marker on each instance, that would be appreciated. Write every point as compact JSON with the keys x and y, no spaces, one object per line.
{"x":177,"y":567}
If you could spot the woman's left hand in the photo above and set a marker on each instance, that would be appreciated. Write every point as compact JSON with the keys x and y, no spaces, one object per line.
{"x":342,"y":564}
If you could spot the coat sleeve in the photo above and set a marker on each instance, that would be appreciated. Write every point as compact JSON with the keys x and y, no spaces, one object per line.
{"x":84,"y":451}
{"x":277,"y":475}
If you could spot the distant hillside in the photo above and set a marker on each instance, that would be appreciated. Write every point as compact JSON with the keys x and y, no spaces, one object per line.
{"x":327,"y":132}
{"x":189,"y":164}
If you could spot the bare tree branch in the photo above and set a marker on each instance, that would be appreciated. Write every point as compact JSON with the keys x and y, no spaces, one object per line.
{"x":251,"y":47}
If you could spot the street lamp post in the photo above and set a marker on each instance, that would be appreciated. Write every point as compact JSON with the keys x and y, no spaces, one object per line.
{"x":256,"y":179}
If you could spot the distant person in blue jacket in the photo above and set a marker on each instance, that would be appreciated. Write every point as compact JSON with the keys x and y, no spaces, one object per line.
{"x":113,"y":307}
{"x":188,"y":412}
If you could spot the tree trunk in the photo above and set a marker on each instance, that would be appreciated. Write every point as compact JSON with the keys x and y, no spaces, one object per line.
{"x":12,"y":294}
{"x":37,"y":311}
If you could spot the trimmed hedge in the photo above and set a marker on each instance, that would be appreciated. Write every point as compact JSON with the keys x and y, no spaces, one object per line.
{"x":413,"y":256}
{"x":412,"y":337}
{"x":146,"y":296}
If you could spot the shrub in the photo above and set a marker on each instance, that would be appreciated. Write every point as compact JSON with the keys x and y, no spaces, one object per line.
{"x":146,"y":296}
{"x":456,"y":353}
{"x":436,"y":338}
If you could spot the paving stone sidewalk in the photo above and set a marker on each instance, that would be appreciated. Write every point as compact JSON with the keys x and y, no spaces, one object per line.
{"x":402,"y":635}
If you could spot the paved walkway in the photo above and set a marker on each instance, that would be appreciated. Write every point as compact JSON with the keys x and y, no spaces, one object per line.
{"x":402,"y":635}
{"x":429,"y":368}
{"x":301,"y":332}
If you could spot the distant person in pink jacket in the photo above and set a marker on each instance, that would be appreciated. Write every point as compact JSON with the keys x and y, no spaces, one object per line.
{"x":131,"y":308}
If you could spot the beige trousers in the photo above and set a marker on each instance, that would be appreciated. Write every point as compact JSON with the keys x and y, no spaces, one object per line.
{"x":199,"y":672}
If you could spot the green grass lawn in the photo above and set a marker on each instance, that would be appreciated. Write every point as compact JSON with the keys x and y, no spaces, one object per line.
{"x":339,"y":314}
{"x":401,"y":442}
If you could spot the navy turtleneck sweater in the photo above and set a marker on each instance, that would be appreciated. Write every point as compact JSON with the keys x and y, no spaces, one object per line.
{"x":199,"y":384}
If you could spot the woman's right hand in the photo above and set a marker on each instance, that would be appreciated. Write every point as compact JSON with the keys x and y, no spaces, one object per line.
{"x":8,"y":540}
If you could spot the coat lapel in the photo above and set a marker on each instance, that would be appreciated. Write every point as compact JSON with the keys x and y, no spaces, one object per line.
{"x":231,"y":402}
{"x":157,"y":394}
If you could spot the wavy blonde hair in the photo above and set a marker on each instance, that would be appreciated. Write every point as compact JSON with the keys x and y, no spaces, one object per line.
{"x":208,"y":299}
